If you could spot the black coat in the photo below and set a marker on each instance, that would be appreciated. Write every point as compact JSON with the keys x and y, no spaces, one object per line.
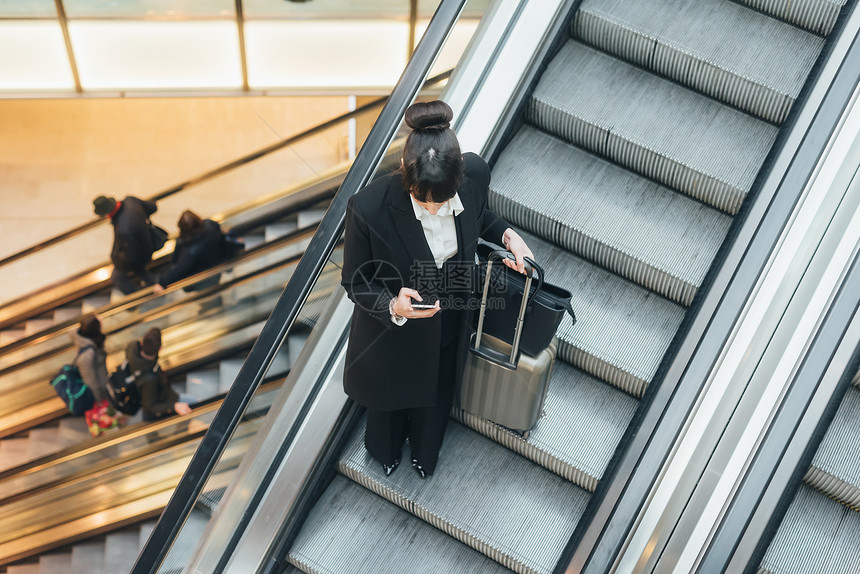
{"x":132,"y":236}
{"x":195,"y":254}
{"x":391,"y":367}
{"x":157,"y":397}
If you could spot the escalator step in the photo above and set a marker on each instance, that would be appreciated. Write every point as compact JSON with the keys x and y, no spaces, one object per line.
{"x":648,"y":124}
{"x":55,"y":563}
{"x":817,"y":16}
{"x":121,"y":550}
{"x":632,"y":226}
{"x":582,"y":422}
{"x":484,"y":495}
{"x":696,"y":44}
{"x":352,"y":531}
{"x":88,"y":557}
{"x":816,"y":535}
{"x":622,"y":330}
{"x":835,"y":469}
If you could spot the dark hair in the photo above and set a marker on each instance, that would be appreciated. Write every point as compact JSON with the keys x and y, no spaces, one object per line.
{"x":189,"y":223}
{"x":91,"y":328}
{"x":432,"y":163}
{"x":151,"y":342}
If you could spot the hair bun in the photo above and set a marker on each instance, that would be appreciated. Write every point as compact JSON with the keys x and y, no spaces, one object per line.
{"x":435,"y":115}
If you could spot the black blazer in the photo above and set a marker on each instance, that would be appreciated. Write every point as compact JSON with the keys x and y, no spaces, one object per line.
{"x":391,"y":367}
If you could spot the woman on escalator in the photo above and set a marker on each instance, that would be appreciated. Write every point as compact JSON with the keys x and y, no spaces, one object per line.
{"x":409,"y":244}
{"x":90,"y":360}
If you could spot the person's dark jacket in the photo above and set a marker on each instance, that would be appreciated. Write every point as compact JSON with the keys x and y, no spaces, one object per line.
{"x":195,"y":254}
{"x":132,"y":235}
{"x":91,"y":364}
{"x":390,"y":367}
{"x":156,"y":395}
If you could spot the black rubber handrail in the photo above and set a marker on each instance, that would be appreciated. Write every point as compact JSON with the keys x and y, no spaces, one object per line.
{"x":299,"y":287}
{"x":212,"y":173}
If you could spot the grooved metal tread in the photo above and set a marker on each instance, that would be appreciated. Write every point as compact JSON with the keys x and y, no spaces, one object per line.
{"x":817,"y":535}
{"x":835,"y":468}
{"x":622,"y":330}
{"x":486,"y":496}
{"x":635,"y":227}
{"x":657,"y":128}
{"x":582,"y":423}
{"x":697,"y":44}
{"x":350,"y":530}
{"x":817,"y":16}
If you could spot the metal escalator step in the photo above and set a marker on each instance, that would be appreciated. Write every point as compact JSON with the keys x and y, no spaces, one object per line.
{"x":486,"y":496}
{"x":622,"y":330}
{"x":350,"y":530}
{"x":582,"y":422}
{"x":817,"y":535}
{"x":835,"y":468}
{"x":817,"y":16}
{"x":632,"y":226}
{"x":659,"y":129}
{"x":58,"y":563}
{"x":727,"y":51}
{"x":88,"y":557}
{"x":121,"y":550}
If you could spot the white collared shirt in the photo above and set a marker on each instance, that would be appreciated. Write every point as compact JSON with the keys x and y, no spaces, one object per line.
{"x":439,"y":228}
{"x":440,"y":232}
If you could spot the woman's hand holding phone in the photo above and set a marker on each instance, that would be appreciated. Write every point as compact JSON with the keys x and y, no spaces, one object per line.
{"x":406,"y":307}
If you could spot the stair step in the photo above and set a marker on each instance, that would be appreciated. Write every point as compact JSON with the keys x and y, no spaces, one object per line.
{"x":632,"y":226}
{"x":55,"y":563}
{"x":94,"y":302}
{"x":42,"y":442}
{"x":228,"y":370}
{"x":13,"y":452}
{"x":659,"y":129}
{"x":835,"y":468}
{"x":37,"y":325}
{"x":696,"y":44}
{"x":144,"y":530}
{"x":622,"y":330}
{"x":121,"y":550}
{"x":62,"y":314}
{"x":252,"y":241}
{"x":10,"y":336}
{"x":817,"y":16}
{"x":182,"y":550}
{"x":482,"y":494}
{"x":275,"y":230}
{"x":88,"y":557}
{"x":816,"y":535}
{"x":32,"y":568}
{"x":71,"y":431}
{"x":202,"y":384}
{"x":309,"y":217}
{"x":582,"y":423}
{"x":349,"y":531}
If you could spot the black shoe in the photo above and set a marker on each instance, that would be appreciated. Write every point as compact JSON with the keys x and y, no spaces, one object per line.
{"x":419,"y":469}
{"x":389,"y":468}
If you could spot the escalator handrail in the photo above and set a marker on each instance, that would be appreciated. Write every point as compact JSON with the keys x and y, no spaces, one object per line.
{"x":215,"y":172}
{"x":299,"y":286}
{"x":190,"y":298}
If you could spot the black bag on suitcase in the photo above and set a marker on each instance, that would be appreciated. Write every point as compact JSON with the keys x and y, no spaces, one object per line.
{"x":545,"y":307}
{"x":501,"y":383}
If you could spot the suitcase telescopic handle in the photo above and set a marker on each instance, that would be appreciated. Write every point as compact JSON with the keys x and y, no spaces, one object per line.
{"x":530,"y":267}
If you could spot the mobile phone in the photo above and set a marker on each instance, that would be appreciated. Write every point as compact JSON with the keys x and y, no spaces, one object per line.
{"x":423,"y":306}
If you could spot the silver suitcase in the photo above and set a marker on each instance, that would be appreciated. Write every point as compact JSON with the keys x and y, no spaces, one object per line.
{"x":500,"y":383}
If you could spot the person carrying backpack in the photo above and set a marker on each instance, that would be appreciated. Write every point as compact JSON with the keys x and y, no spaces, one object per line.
{"x":157,"y":398}
{"x":201,"y":244}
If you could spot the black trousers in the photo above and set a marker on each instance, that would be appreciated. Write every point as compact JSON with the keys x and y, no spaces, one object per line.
{"x":130,"y":281}
{"x":387,"y":431}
